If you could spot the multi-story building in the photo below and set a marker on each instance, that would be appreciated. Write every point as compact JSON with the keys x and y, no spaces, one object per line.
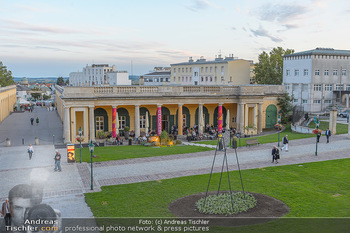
{"x":318,"y":78}
{"x":159,"y":76}
{"x":99,"y":74}
{"x":222,"y":71}
{"x":7,"y":101}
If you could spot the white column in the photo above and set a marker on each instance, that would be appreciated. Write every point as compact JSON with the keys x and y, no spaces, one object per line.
{"x":200,"y":116}
{"x":260,"y":117}
{"x":241,"y":118}
{"x":66,"y":125}
{"x":137,"y":121}
{"x":92,"y":123}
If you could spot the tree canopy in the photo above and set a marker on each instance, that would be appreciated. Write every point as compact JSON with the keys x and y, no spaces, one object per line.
{"x":269,"y":69}
{"x":285,"y":104}
{"x":6,"y":78}
{"x":60,"y":81}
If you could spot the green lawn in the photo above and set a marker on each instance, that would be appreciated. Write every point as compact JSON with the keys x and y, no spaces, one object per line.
{"x":320,"y":189}
{"x":108,"y":153}
{"x":341,"y":128}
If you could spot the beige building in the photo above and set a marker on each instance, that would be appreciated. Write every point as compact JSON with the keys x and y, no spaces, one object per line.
{"x":222,"y":71}
{"x":8,"y":101}
{"x":109,"y":109}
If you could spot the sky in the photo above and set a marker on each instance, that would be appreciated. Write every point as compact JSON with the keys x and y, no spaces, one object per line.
{"x":47,"y":38}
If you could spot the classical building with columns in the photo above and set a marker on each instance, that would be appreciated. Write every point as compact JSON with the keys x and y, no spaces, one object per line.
{"x":8,"y":101}
{"x":96,"y":109}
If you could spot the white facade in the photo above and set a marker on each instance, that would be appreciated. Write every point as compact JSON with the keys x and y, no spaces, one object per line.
{"x":99,"y":74}
{"x":159,"y":76}
{"x":316,"y":78}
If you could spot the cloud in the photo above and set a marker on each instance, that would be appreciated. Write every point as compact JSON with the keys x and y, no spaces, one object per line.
{"x":233,"y":28}
{"x":281,"y":13}
{"x":264,"y":33}
{"x":199,"y":5}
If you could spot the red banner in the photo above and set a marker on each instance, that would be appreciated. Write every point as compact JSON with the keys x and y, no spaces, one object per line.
{"x":159,"y":121}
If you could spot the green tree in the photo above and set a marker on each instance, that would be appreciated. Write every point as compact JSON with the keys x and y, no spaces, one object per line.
{"x":67,"y":82}
{"x":269,"y":69}
{"x":286,"y":106}
{"x":6,"y":78}
{"x":60,"y":81}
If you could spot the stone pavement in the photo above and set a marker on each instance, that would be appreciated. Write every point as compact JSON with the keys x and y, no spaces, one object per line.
{"x":64,"y":190}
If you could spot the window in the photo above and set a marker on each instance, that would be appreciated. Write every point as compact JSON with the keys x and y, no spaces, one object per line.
{"x":182,"y":79}
{"x":201,"y":69}
{"x":296,"y":101}
{"x":328,"y":87}
{"x":211,"y":79}
{"x":222,"y":79}
{"x":211,"y":69}
{"x":216,"y":69}
{"x":206,"y":69}
{"x":174,"y":70}
{"x":287,"y":72}
{"x":327,"y":101}
{"x":195,"y":73}
{"x":317,"y":101}
{"x":202,"y":79}
{"x":326,"y":72}
{"x":335,"y":72}
{"x":186,"y":69}
{"x":186,"y":79}
{"x":296,"y":72}
{"x":317,"y":87}
{"x":306,"y":72}
{"x":216,"y":79}
{"x":99,"y":123}
{"x":287,"y":87}
{"x":206,"y":79}
{"x":190,"y":69}
{"x":304,"y":101}
{"x":122,"y":122}
{"x":343,"y":72}
{"x":143,"y":122}
{"x":317,"y":72}
{"x":183,"y":69}
{"x":161,"y":79}
{"x":222,"y":69}
{"x":348,"y":87}
{"x":339,"y":87}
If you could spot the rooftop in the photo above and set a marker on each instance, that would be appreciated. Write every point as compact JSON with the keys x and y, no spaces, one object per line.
{"x":321,"y":51}
{"x":159,"y":73}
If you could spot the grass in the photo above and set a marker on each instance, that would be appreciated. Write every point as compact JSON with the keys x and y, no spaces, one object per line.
{"x":136,"y":151}
{"x":341,"y":128}
{"x":319,"y":189}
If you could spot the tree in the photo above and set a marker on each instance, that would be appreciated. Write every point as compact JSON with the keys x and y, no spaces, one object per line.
{"x":269,"y":69}
{"x":286,"y":106}
{"x":6,"y":78}
{"x":60,"y":81}
{"x":67,"y":82}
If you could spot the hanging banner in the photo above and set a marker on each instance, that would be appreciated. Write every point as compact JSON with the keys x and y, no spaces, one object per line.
{"x":159,"y":121}
{"x":220,"y":118}
{"x":114,"y":117}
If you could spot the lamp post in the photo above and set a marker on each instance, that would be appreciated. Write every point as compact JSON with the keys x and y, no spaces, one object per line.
{"x":80,"y":133}
{"x":91,"y":149}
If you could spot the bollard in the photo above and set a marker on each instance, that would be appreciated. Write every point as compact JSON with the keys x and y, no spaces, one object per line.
{"x":36,"y":141}
{"x":22,"y":141}
{"x":8,"y":142}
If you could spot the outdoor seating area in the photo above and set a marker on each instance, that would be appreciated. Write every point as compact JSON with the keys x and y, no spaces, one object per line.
{"x":251,"y":142}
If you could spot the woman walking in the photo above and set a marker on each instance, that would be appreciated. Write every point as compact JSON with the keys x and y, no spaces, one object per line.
{"x":30,"y":150}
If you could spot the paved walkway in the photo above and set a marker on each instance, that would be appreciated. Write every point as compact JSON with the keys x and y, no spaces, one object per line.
{"x":64,"y":190}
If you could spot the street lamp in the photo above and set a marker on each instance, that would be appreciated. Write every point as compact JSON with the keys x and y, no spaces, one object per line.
{"x":91,"y":149}
{"x":80,"y":133}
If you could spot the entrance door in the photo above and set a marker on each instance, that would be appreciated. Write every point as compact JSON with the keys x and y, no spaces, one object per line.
{"x":271,"y":116}
{"x":165,"y":122}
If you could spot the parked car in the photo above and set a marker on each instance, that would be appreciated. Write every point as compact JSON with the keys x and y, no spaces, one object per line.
{"x":344,"y":113}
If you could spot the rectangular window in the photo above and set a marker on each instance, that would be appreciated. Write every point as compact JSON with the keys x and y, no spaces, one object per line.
{"x":326,"y":72}
{"x":317,"y":72}
{"x":287,"y":87}
{"x":296,"y":101}
{"x":317,"y":101}
{"x":335,"y":72}
{"x":206,"y":69}
{"x":179,"y":69}
{"x":304,"y":101}
{"x":142,"y":122}
{"x":222,"y":69}
{"x":317,"y":87}
{"x":190,"y":69}
{"x":287,"y":72}
{"x":201,"y":69}
{"x":211,"y":69}
{"x":306,"y":72}
{"x":343,"y":72}
{"x":122,"y":122}
{"x":186,"y":69}
{"x":99,"y":123}
{"x":327,"y":101}
{"x":338,"y":87}
{"x":328,"y":87}
{"x":296,"y":72}
{"x":202,"y":79}
{"x":174,"y":70}
{"x":348,"y":87}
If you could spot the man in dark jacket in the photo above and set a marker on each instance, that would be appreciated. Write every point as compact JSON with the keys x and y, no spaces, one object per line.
{"x":328,"y":134}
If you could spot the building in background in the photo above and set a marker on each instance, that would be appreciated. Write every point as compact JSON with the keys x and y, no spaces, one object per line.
{"x":99,"y":74}
{"x":318,"y":78}
{"x":222,"y":71}
{"x":8,"y":101}
{"x":159,"y":76}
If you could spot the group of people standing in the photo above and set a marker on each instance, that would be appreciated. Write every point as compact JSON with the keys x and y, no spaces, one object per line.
{"x":57,"y":157}
{"x":36,"y":120}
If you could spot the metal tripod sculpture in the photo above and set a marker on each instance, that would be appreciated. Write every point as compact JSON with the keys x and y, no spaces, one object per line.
{"x":222,"y":147}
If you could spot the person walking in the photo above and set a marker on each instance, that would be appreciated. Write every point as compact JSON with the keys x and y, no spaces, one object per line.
{"x":32,"y":120}
{"x":275,"y":154}
{"x":328,"y":133}
{"x":6,"y":212}
{"x":30,"y":150}
{"x":58,"y":161}
{"x":285,"y":143}
{"x":37,"y":120}
{"x":318,"y":137}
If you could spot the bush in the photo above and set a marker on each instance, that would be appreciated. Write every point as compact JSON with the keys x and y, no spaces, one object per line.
{"x":178,"y":142}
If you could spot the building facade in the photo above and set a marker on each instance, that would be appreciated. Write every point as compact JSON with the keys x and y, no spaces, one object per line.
{"x":318,"y":78}
{"x":221,"y":71}
{"x":159,"y":76}
{"x":8,"y":101}
{"x":109,"y":109}
{"x":99,"y":74}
